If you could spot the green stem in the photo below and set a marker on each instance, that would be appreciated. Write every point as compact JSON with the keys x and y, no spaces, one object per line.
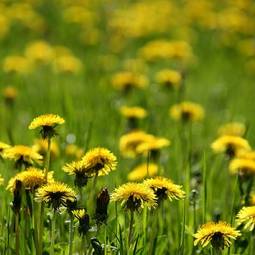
{"x":17,"y":244}
{"x":47,"y":161}
{"x":71,"y":236}
{"x":52,"y":241}
{"x":131,"y":223}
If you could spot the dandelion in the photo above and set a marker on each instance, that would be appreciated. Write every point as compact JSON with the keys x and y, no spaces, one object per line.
{"x":3,"y":147}
{"x":187,"y":111}
{"x":129,"y":142}
{"x":142,"y":171}
{"x":246,"y":217}
{"x":133,"y":112}
{"x":10,"y":94}
{"x":230,"y":145}
{"x":83,"y":218}
{"x":31,"y":179}
{"x":47,"y":123}
{"x":126,"y":80}
{"x":169,"y":78}
{"x":1,"y":180}
{"x":218,"y":234}
{"x":16,"y":64}
{"x":99,"y":161}
{"x":78,"y":169}
{"x":134,"y":196}
{"x":153,"y":146}
{"x":243,"y":167}
{"x":41,"y":146}
{"x":67,"y":64}
{"x":244,"y":154}
{"x":22,"y":155}
{"x":56,"y":194}
{"x":232,"y":129}
{"x":164,"y":188}
{"x":102,"y":202}
{"x":72,"y":150}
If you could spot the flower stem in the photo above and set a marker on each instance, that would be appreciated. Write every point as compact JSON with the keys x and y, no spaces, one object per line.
{"x":53,"y":223}
{"x":131,"y":223}
{"x":71,"y":236}
{"x":17,"y":246}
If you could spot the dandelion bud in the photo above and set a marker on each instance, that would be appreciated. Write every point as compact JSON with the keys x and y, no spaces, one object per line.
{"x":102,"y":202}
{"x":17,"y":197}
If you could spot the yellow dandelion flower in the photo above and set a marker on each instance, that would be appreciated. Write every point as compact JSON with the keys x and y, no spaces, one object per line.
{"x":31,"y":179}
{"x":126,"y":80}
{"x":232,"y":129}
{"x":187,"y":111}
{"x":129,"y":142}
{"x":169,"y":78}
{"x":55,"y":194}
{"x":22,"y":154}
{"x":246,"y":217}
{"x":39,"y":52}
{"x":67,"y":64}
{"x":164,"y":188}
{"x":252,"y":199}
{"x":99,"y":161}
{"x":10,"y":93}
{"x":218,"y":234}
{"x":134,"y":196}
{"x":246,"y":154}
{"x":72,"y":150}
{"x":41,"y":146}
{"x":154,"y":144}
{"x":143,"y":170}
{"x":230,"y":145}
{"x":134,"y":112}
{"x":16,"y":64}
{"x":242,"y":166}
{"x":79,"y":213}
{"x":47,"y":123}
{"x":3,"y":146}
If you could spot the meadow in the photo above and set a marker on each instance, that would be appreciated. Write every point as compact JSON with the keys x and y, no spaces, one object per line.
{"x":127,"y":127}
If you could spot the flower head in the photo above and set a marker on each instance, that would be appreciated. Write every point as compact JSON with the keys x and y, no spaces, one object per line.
{"x":154,"y":144}
{"x":133,"y":112}
{"x":143,"y":170}
{"x":22,"y":155}
{"x":134,"y":196}
{"x":164,"y":188}
{"x":99,"y":161}
{"x":72,"y":150}
{"x":10,"y":94}
{"x":31,"y":179}
{"x":187,"y":111}
{"x":129,"y":142}
{"x":246,"y":216}
{"x":243,"y":167}
{"x":55,"y":194}
{"x":83,"y":218}
{"x":230,"y":145}
{"x":47,"y":123}
{"x":41,"y":146}
{"x":3,"y":147}
{"x":218,"y":234}
{"x":103,"y":199}
{"x":169,"y":78}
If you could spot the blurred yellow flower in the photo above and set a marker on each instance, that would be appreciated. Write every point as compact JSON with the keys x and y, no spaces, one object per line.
{"x":4,"y":25}
{"x":41,"y":146}
{"x":10,"y":93}
{"x":39,"y":52}
{"x":134,"y":196}
{"x":143,"y":170}
{"x":242,"y":166}
{"x":230,"y":145}
{"x":3,"y":147}
{"x":72,"y":150}
{"x":67,"y":64}
{"x":126,"y":80}
{"x":134,"y":112}
{"x":232,"y":129}
{"x":246,"y":217}
{"x":129,"y":142}
{"x":1,"y":180}
{"x":187,"y":111}
{"x":16,"y":64}
{"x":218,"y":234}
{"x":169,"y":78}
